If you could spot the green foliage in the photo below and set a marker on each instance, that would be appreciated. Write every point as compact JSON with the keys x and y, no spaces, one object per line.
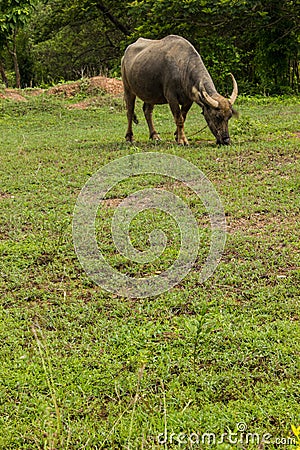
{"x":13,"y":15}
{"x":257,"y":41}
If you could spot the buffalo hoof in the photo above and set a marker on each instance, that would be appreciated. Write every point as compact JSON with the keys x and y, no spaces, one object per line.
{"x":155,"y":137}
{"x":129,"y":137}
{"x":183,"y":141}
{"x":225,"y":141}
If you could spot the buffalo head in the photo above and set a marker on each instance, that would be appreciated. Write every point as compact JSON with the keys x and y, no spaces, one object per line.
{"x":217,"y":111}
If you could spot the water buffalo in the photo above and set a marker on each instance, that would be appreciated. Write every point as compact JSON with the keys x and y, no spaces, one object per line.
{"x":171,"y":71}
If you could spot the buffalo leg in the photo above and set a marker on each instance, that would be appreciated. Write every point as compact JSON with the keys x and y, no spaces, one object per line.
{"x":130,"y":103}
{"x":148,"y":110}
{"x":179,"y":118}
{"x":185,"y":109}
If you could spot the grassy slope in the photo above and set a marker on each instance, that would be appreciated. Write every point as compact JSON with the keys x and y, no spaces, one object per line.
{"x":81,"y":368}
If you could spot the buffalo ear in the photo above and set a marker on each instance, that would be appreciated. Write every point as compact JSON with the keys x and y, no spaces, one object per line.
{"x":196,"y":96}
{"x":235,"y":113}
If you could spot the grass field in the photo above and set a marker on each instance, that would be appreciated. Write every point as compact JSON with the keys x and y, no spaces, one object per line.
{"x":81,"y":368}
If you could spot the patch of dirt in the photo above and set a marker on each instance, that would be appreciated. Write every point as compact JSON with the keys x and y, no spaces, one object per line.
{"x":4,"y":195}
{"x":84,"y":104}
{"x":34,"y":92}
{"x":108,"y":85}
{"x":89,"y":86}
{"x":12,"y":94}
{"x":111,"y":202}
{"x":81,"y":105}
{"x":258,"y":222}
{"x":66,"y":90}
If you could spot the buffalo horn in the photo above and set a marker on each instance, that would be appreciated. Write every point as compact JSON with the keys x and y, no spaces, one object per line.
{"x":234,"y":92}
{"x":209,"y":100}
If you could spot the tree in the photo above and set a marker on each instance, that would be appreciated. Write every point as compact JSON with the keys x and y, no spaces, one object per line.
{"x":78,"y":38}
{"x":277,"y":51}
{"x":2,"y":69}
{"x":13,"y":16}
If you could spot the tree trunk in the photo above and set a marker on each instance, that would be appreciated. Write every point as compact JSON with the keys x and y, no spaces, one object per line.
{"x":13,"y":52}
{"x":17,"y":70}
{"x":3,"y":74}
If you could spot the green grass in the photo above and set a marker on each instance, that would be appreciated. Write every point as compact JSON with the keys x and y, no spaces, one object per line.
{"x":84,"y":369}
